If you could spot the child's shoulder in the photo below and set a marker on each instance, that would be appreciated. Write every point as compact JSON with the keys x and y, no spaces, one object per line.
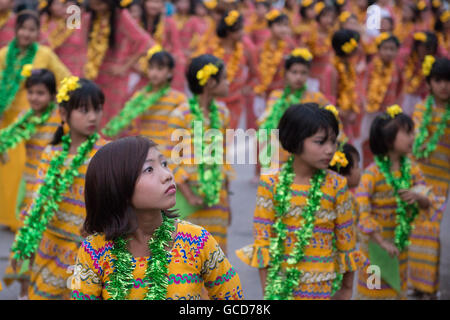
{"x":176,"y":95}
{"x":191,"y":233}
{"x":96,"y":243}
{"x":335,"y":180}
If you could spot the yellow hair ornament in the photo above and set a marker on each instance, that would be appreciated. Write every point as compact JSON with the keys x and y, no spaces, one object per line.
{"x":42,"y":4}
{"x":420,"y":36}
{"x":232,"y":17}
{"x":26,"y":70}
{"x":319,"y":7}
{"x":307,"y":3}
{"x":303,"y":53}
{"x":382,"y":37}
{"x":445,"y":16}
{"x":273,"y":14}
{"x":340,"y":2}
{"x":125,"y":3}
{"x":421,"y":5}
{"x":394,"y":110}
{"x":343,"y":17}
{"x":156,"y":48}
{"x":436,"y":3}
{"x":67,"y":85}
{"x":427,"y":65}
{"x":205,"y":73}
{"x":349,"y":46}
{"x":339,"y":159}
{"x":211,"y":4}
{"x":333,"y":109}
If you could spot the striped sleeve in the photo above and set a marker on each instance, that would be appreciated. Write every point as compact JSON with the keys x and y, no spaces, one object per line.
{"x":366,"y":223}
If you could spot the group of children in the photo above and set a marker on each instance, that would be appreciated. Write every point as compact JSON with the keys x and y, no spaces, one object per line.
{"x":100,"y":129}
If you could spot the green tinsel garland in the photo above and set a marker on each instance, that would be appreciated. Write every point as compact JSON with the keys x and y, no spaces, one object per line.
{"x":133,"y":109}
{"x":11,"y":77}
{"x":210,"y":175}
{"x":49,"y":195}
{"x":403,"y":219}
{"x":423,"y":130}
{"x":23,"y":128}
{"x":121,"y":280}
{"x":279,"y":286}
{"x":277,"y":111}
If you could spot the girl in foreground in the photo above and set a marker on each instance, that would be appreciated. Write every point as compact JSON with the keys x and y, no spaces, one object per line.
{"x":137,"y":249}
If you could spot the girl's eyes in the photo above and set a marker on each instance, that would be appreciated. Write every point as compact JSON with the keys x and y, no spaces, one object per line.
{"x":149,"y":169}
{"x":165,"y":164}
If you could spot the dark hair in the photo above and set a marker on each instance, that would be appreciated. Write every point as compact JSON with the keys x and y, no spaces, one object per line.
{"x":340,"y":37}
{"x":281,"y":18}
{"x":431,"y":44}
{"x":263,"y":3}
{"x":391,"y":38}
{"x":291,"y":60}
{"x":223,"y":29}
{"x":87,"y":93}
{"x":303,"y":10}
{"x":301,"y":121}
{"x":145,"y":21}
{"x":339,"y":7}
{"x":113,"y":7}
{"x":197,"y":64}
{"x":26,"y":15}
{"x":349,"y":151}
{"x":325,"y":10}
{"x":440,"y":70}
{"x":110,"y":182}
{"x":42,"y":76}
{"x":439,"y":25}
{"x":163,"y":59}
{"x":384,"y":129}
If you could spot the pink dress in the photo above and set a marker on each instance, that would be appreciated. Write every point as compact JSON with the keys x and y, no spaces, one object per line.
{"x":7,"y":32}
{"x":130,"y":40}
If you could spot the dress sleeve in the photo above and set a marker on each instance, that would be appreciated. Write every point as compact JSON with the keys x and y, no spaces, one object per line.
{"x":56,"y":66}
{"x":139,"y":39}
{"x":220,"y":278}
{"x":349,"y":259}
{"x":86,"y":283}
{"x":366,"y":224}
{"x":257,"y":254}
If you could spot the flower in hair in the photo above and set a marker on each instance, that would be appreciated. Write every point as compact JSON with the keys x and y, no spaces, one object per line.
{"x":303,"y":53}
{"x":42,"y":4}
{"x":125,"y":3}
{"x":156,"y":48}
{"x":394,"y":110}
{"x":445,"y":16}
{"x":273,"y":14}
{"x":382,"y":37}
{"x":211,"y":4}
{"x":232,"y":17}
{"x":343,"y":17}
{"x":339,"y":159}
{"x":420,"y":36}
{"x":428,"y":64}
{"x":67,"y":85}
{"x":349,"y":46}
{"x":307,"y":3}
{"x":421,"y":5}
{"x":333,"y":109}
{"x":319,"y":7}
{"x":26,"y":70}
{"x":206,"y":72}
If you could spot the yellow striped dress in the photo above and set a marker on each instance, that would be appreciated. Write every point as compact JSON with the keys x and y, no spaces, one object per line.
{"x":195,"y":261}
{"x":34,"y":149}
{"x":153,"y":123}
{"x":62,"y":238}
{"x":215,"y":219}
{"x":334,"y":220}
{"x":377,"y":212}
{"x":425,"y":248}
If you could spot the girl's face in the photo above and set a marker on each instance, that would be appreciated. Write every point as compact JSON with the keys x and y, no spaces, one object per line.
{"x":136,"y":12}
{"x":310,"y":13}
{"x":39,"y":97}
{"x":297,"y":75}
{"x":158,"y":74}
{"x":355,"y":173}
{"x":440,"y":88}
{"x":318,"y":150}
{"x":84,"y":120}
{"x":386,"y":25}
{"x":403,"y":141}
{"x":237,"y":35}
{"x":153,"y":7}
{"x":388,"y":51}
{"x":182,"y":6}
{"x":58,"y":9}
{"x":407,"y":13}
{"x":327,"y":20}
{"x":421,"y":51}
{"x":99,"y":6}
{"x":155,"y":188}
{"x":220,"y":89}
{"x":200,"y":10}
{"x":261,"y":11}
{"x":27,"y":33}
{"x":281,"y":30}
{"x":361,"y":4}
{"x":5,"y":5}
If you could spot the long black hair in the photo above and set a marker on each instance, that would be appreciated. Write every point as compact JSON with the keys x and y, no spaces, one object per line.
{"x":42,"y":76}
{"x":223,"y":29}
{"x":197,"y":64}
{"x":25,"y":15}
{"x":114,"y":9}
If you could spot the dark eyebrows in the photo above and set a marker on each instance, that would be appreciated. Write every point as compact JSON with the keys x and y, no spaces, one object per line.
{"x":161,"y":156}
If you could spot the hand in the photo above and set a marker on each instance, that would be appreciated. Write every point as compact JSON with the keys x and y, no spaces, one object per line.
{"x":117,"y":70}
{"x":390,"y":248}
{"x":343,"y":294}
{"x":408,"y":196}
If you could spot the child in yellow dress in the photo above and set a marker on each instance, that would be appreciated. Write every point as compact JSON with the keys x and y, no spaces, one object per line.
{"x":136,"y":249}
{"x":391,"y":193}
{"x":52,"y":230}
{"x":303,"y":225}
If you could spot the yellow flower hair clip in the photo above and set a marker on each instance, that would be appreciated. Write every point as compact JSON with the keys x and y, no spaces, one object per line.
{"x":333,"y":109}
{"x":232,"y":17}
{"x":420,"y":36}
{"x":303,"y":53}
{"x":273,"y":14}
{"x":344,"y":16}
{"x":206,"y":72}
{"x":319,"y":7}
{"x":382,"y":37}
{"x":340,"y":2}
{"x":394,"y":110}
{"x":339,"y":159}
{"x":26,"y":70}
{"x":156,"y":48}
{"x":211,"y":4}
{"x":427,"y":65}
{"x":42,"y":4}
{"x":125,"y":3}
{"x":307,"y":3}
{"x":445,"y":16}
{"x":349,"y":46}
{"x":421,"y":5}
{"x":436,"y":3}
{"x":67,"y":85}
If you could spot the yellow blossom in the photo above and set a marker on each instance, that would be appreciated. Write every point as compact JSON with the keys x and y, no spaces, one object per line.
{"x":307,"y":3}
{"x":436,"y":3}
{"x":26,"y":70}
{"x":232,"y":17}
{"x":302,"y":52}
{"x":445,"y":16}
{"x":349,"y":46}
{"x":156,"y":48}
{"x":420,"y":36}
{"x":206,"y":72}
{"x":340,"y":159}
{"x":427,"y":65}
{"x":67,"y":85}
{"x":124,"y":3}
{"x":421,"y":5}
{"x":382,"y":37}
{"x":211,"y":4}
{"x":42,"y":4}
{"x":394,"y":110}
{"x":343,"y":17}
{"x":333,"y":109}
{"x":273,"y":14}
{"x":319,"y":7}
